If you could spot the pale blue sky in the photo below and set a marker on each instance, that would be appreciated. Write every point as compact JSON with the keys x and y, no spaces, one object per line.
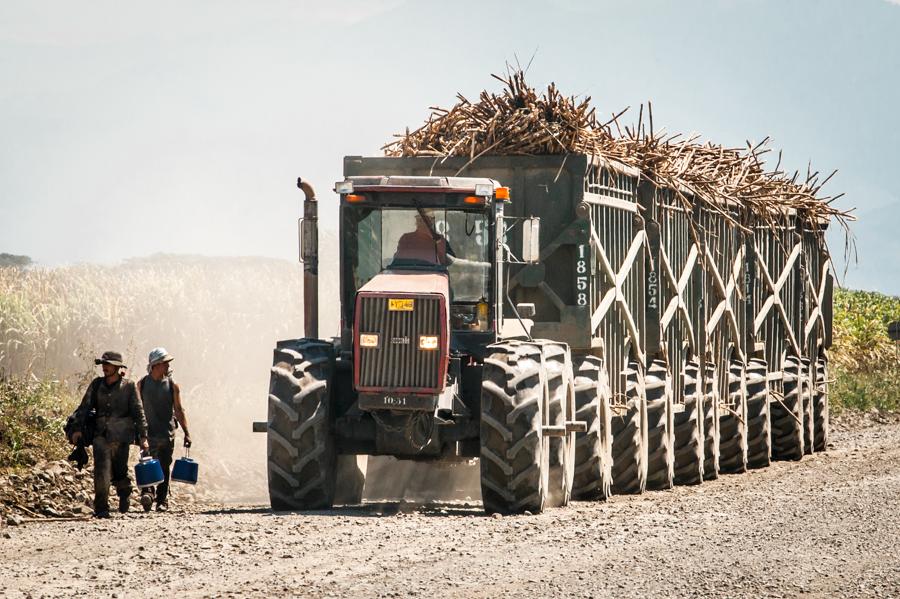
{"x":180,"y":126}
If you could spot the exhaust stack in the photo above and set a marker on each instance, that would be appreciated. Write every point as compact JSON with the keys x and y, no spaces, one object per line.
{"x":309,"y":257}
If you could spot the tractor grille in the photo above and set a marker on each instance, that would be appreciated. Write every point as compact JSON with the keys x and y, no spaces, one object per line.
{"x":397,"y":362}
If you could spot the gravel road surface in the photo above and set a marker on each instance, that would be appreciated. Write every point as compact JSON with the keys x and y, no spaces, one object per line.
{"x":828,"y":526}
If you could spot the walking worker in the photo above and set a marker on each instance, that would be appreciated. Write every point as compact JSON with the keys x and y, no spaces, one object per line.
{"x":161,"y":397}
{"x":119,"y":421}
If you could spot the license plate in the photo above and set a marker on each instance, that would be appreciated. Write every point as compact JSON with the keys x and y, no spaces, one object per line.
{"x":400,"y":305}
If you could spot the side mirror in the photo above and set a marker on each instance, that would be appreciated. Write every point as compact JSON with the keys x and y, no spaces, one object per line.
{"x":525,"y":310}
{"x":531,"y":240}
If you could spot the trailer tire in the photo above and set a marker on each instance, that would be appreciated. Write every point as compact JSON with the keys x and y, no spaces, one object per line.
{"x":787,"y":414}
{"x":514,"y":459}
{"x":593,"y":449}
{"x":660,"y":428}
{"x":820,"y":408}
{"x":689,"y":430}
{"x":710,"y":424}
{"x":733,"y":423}
{"x":629,"y":435}
{"x":561,"y":397}
{"x":300,"y":442}
{"x":759,"y":445}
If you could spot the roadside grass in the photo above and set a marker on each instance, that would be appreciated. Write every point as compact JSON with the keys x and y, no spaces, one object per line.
{"x":32,"y":414}
{"x":865,"y":363}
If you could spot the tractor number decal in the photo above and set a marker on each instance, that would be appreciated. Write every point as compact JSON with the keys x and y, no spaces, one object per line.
{"x":581,"y":277}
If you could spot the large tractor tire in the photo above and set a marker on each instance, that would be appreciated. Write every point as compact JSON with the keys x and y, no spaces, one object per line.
{"x":787,"y":414}
{"x":629,"y":435}
{"x":514,"y":453}
{"x":710,"y":423}
{"x":689,"y":430}
{"x":808,"y":394}
{"x":820,"y":406}
{"x":759,"y":446}
{"x":301,"y":455}
{"x":660,"y":428}
{"x":561,"y":402}
{"x":593,"y":449}
{"x":733,"y":423}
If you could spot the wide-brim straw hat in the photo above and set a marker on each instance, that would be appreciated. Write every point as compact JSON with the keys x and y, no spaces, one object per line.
{"x":110,"y":357}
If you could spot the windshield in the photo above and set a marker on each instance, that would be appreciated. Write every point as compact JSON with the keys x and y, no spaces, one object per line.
{"x":423,"y":238}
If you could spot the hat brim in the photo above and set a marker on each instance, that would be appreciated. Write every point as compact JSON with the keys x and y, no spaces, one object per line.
{"x":161,"y":360}
{"x":99,"y":361}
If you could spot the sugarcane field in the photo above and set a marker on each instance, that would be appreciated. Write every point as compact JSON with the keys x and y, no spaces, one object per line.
{"x":393,"y":299}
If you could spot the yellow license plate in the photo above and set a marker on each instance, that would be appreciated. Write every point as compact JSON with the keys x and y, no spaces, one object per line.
{"x":400,"y":305}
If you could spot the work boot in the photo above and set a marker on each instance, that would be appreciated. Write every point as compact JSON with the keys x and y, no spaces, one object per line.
{"x":101,"y":514}
{"x":162,"y":507}
{"x":146,"y":501}
{"x":124,"y":503}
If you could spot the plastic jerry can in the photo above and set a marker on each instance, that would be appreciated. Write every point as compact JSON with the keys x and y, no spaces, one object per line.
{"x":185,"y":471}
{"x":148,"y":472}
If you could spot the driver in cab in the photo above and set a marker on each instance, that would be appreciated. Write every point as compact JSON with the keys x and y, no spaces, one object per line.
{"x":424,"y":244}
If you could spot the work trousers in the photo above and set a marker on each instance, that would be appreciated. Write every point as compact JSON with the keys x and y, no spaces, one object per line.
{"x":110,"y":467}
{"x":162,"y":450}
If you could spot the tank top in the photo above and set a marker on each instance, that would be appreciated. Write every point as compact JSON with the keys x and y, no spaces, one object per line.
{"x":159,"y":407}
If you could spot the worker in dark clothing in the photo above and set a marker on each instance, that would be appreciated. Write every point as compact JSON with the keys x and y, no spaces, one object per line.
{"x":424,"y":243}
{"x":161,"y":397}
{"x":119,"y":421}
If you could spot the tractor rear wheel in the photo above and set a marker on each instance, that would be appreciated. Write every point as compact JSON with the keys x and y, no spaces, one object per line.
{"x":733,"y":423}
{"x":808,"y":394}
{"x":759,"y":446}
{"x":561,"y":402}
{"x":593,"y":457}
{"x":514,"y":457}
{"x":301,"y":455}
{"x":629,"y":434}
{"x":820,"y":407}
{"x":689,"y":430}
{"x":660,"y":428}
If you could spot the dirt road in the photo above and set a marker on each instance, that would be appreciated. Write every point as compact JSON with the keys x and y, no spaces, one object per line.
{"x":826,"y":526}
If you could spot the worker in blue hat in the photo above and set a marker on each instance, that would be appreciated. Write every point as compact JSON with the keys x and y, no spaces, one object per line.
{"x":161,"y":398}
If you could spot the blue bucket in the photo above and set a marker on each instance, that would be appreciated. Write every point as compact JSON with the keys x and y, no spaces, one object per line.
{"x":148,"y":472}
{"x":185,"y":471}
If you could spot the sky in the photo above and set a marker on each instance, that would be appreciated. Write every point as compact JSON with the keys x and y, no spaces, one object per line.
{"x":128,"y":129}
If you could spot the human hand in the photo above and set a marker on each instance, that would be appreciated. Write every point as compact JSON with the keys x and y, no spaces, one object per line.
{"x":145,"y":446}
{"x":187,"y":441}
{"x":75,"y":437}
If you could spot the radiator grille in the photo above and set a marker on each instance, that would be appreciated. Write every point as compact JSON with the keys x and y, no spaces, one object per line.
{"x":395,"y":364}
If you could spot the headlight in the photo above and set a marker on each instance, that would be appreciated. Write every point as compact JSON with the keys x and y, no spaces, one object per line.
{"x":484,"y":190}
{"x":428,"y":342}
{"x":368,"y":340}
{"x":343,"y":187}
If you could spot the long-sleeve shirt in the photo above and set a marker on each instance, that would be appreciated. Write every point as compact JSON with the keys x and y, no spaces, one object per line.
{"x":119,"y":411}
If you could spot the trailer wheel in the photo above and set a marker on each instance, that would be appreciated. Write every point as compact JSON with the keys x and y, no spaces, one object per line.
{"x":820,"y":407}
{"x":733,"y":423}
{"x":301,"y":456}
{"x":561,"y":402}
{"x":629,"y":434}
{"x":710,"y":424}
{"x":787,"y":414}
{"x":593,"y":457}
{"x":660,"y":428}
{"x":759,"y":446}
{"x":808,"y":394}
{"x":514,"y":456}
{"x":689,"y":430}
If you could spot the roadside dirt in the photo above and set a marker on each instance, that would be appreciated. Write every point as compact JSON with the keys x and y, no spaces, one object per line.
{"x":827,"y":526}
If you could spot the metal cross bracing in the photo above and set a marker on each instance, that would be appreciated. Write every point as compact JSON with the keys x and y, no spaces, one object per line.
{"x":818,"y":288}
{"x":724,"y":307}
{"x":777,"y":295}
{"x":616,"y":280}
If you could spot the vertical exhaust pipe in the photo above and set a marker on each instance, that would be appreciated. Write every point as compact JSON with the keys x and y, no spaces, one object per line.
{"x":309,"y":257}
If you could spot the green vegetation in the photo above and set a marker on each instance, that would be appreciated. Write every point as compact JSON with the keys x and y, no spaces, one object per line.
{"x":865,"y":363}
{"x":32,"y":414}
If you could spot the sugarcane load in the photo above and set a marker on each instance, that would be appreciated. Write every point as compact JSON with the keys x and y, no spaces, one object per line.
{"x":585,"y":307}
